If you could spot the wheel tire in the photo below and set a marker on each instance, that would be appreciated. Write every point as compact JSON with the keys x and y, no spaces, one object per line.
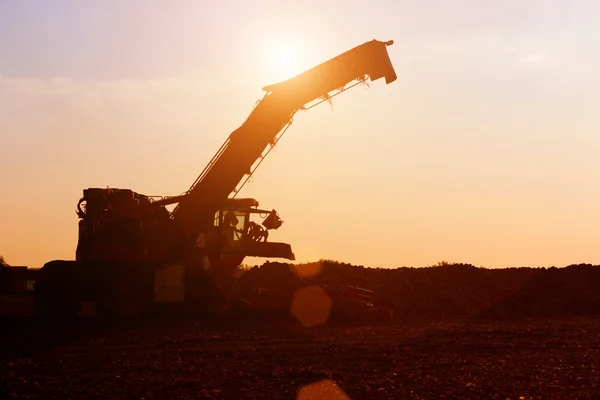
{"x":57,"y":302}
{"x":57,"y":291}
{"x":126,"y":296}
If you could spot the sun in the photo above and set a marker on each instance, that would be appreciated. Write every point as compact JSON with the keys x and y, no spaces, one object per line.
{"x":284,"y":57}
{"x":285,"y":60}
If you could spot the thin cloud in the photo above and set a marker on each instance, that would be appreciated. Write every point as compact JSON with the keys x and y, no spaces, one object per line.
{"x":535,"y":58}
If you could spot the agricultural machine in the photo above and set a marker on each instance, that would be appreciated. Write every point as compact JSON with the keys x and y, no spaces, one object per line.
{"x":134,"y":253}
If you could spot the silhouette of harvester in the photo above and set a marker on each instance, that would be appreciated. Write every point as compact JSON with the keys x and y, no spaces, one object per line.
{"x":133,"y":252}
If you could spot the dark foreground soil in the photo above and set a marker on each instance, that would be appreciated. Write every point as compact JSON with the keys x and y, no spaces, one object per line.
{"x":174,"y":358}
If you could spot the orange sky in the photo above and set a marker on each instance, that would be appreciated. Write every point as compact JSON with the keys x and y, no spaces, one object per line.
{"x":483,"y":151}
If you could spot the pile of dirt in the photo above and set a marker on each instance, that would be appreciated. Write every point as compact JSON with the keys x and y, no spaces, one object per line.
{"x":445,"y":291}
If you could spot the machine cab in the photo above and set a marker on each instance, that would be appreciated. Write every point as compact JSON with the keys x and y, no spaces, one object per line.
{"x":242,"y":235}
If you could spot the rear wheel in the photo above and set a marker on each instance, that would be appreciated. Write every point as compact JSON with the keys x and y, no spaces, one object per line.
{"x":58,"y":292}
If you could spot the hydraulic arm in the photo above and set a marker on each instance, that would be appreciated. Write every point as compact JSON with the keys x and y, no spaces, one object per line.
{"x":250,"y":143}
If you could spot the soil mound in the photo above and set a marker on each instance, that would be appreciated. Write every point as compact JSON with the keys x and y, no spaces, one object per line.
{"x":445,"y":291}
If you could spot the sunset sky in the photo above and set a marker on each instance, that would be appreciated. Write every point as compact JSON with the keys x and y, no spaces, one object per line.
{"x":486,"y":150}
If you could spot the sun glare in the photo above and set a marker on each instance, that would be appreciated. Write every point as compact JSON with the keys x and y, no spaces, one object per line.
{"x":285,"y":60}
{"x":283,"y":55}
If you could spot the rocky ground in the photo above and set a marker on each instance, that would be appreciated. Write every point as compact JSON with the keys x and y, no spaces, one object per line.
{"x":462,"y":332}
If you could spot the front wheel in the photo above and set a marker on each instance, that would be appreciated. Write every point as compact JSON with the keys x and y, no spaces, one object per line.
{"x":127,"y":291}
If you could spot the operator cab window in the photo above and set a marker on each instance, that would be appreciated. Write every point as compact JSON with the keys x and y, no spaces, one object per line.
{"x":234,"y":224}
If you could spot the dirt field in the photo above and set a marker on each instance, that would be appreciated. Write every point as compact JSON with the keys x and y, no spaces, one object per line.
{"x":543,"y":358}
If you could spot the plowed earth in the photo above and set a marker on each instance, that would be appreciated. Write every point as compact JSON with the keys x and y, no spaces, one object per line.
{"x":530,"y":336}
